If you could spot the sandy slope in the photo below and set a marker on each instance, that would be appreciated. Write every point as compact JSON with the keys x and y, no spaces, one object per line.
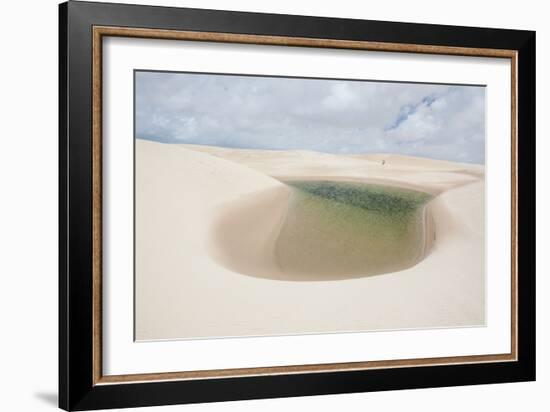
{"x":205,"y":215}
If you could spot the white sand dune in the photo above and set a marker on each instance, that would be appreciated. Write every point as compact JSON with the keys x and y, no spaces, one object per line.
{"x":433,"y":176}
{"x":207,"y":218}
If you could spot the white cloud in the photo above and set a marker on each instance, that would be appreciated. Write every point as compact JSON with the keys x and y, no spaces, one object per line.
{"x":341,"y":97}
{"x":325,"y":115}
{"x":452,"y":126}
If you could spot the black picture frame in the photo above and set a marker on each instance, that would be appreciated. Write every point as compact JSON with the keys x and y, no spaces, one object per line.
{"x":77,"y":389}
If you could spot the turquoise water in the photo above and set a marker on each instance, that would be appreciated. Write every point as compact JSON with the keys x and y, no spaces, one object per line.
{"x":345,"y":229}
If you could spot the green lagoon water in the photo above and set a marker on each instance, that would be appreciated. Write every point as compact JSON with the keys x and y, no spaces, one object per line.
{"x":346,"y":229}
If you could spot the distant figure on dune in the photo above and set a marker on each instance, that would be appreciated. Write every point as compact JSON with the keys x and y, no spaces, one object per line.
{"x":383,"y":162}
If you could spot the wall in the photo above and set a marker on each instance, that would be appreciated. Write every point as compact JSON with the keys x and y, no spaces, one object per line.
{"x":28,"y":204}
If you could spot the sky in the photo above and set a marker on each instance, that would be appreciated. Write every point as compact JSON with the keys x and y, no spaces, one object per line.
{"x":332,"y":116}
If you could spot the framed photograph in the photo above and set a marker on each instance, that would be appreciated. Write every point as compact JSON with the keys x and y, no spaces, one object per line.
{"x":257,"y":205}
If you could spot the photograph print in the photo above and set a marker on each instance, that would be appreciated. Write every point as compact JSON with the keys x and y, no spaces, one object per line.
{"x":272,"y":206}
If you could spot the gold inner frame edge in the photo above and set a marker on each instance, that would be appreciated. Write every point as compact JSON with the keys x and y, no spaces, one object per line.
{"x":98,"y":32}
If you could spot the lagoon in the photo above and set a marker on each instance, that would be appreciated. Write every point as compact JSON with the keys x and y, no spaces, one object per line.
{"x":335,"y":230}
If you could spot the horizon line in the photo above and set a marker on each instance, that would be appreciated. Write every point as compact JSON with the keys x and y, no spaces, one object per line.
{"x":305,"y":150}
